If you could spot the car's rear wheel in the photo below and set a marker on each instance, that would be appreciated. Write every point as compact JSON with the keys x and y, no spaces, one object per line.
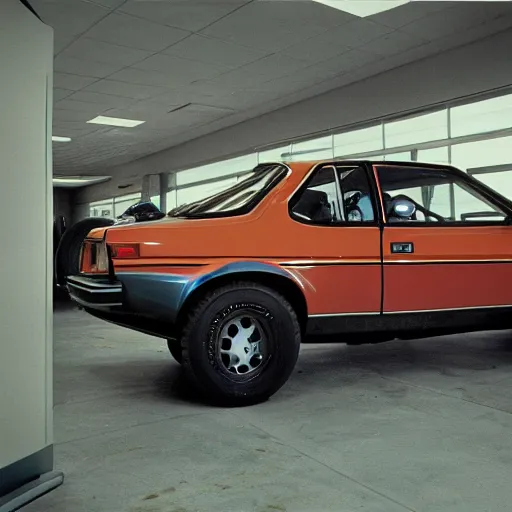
{"x":67,"y":258}
{"x":175,"y":350}
{"x":240,"y":343}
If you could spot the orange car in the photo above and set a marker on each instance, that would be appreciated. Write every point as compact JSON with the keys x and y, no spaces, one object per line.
{"x":350,"y":251}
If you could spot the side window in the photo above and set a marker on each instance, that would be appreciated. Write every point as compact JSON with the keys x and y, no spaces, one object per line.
{"x":438,"y":196}
{"x":335,"y":195}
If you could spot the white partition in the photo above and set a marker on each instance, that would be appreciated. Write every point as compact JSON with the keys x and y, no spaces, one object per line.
{"x":26,"y":451}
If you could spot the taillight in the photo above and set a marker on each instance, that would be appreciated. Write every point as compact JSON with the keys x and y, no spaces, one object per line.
{"x":101,"y":258}
{"x":124,"y":251}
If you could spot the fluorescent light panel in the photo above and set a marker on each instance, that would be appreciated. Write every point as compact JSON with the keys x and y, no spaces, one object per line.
{"x":363,"y":8}
{"x":115,"y":121}
{"x":56,"y":138}
{"x":78,"y":181}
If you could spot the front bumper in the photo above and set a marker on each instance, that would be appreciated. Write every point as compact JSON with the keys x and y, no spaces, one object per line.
{"x":95,"y":292}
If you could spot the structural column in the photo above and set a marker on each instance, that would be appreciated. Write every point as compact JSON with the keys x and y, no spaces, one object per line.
{"x":26,"y":276}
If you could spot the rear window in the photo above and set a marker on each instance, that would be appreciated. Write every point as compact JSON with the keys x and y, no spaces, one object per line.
{"x":238,"y":199}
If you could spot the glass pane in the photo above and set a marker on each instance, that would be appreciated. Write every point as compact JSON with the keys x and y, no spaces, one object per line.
{"x":355,"y":187}
{"x":237,"y":199}
{"x":482,"y":153}
{"x":319,"y":203}
{"x":217,"y":169}
{"x":438,"y":195}
{"x":358,"y":141}
{"x":102,"y":209}
{"x":499,"y":181}
{"x":198,"y":192}
{"x":435,"y":155}
{"x":482,"y":116}
{"x":416,"y":130}
{"x":122,"y":203}
{"x":399,"y":157}
{"x":275,"y":155}
{"x":155,"y":200}
{"x":171,"y":200}
{"x":316,"y":149}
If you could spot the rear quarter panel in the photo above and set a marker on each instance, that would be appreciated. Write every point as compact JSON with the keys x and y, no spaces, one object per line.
{"x":337,"y":268}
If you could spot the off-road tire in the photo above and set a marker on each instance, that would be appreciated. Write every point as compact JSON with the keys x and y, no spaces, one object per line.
{"x":200,"y":336}
{"x":174,"y":347}
{"x":68,"y":252}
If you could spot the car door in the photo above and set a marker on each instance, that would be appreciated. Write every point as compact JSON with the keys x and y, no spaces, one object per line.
{"x":455,"y":253}
{"x":335,"y":227}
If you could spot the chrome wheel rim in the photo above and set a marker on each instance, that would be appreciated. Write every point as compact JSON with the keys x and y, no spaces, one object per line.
{"x":242,"y":344}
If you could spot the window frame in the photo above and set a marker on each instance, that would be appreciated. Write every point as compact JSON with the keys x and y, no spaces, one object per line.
{"x":373,"y":190}
{"x":493,"y":197}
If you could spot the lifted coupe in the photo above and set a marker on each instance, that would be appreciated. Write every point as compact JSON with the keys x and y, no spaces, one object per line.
{"x":348,"y":251}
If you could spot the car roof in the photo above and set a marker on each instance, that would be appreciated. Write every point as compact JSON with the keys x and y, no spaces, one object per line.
{"x":303,"y":167}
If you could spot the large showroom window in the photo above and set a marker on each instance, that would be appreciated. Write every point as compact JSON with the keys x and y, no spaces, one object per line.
{"x":473,"y":135}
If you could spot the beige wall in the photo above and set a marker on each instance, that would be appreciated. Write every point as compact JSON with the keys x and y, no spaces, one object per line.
{"x":26,"y":49}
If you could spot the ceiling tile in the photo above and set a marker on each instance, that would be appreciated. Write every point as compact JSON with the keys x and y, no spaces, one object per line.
{"x":60,"y":42}
{"x":80,"y":106}
{"x":472,"y":34}
{"x":135,"y":91}
{"x":394,"y":43}
{"x":189,"y":70}
{"x":207,"y":49}
{"x":457,"y":18}
{"x":70,"y":115}
{"x":188,"y":94}
{"x":107,"y":100}
{"x":84,"y":67}
{"x":59,"y":94}
{"x":69,"y":17}
{"x":354,"y":34}
{"x":260,"y":71}
{"x":412,"y":11}
{"x":187,"y":15}
{"x":74,"y":82}
{"x":314,"y":50}
{"x":126,"y":30}
{"x":340,"y":64}
{"x":99,"y":51}
{"x":285,"y":23}
{"x":111,"y":4}
{"x":150,"y":78}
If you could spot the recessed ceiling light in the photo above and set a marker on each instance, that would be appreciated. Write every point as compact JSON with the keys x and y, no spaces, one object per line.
{"x":363,"y":8}
{"x":115,"y":121}
{"x":56,"y":138}
{"x":78,"y":181}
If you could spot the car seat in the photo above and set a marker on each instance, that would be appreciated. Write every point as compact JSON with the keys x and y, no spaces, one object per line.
{"x":314,"y":205}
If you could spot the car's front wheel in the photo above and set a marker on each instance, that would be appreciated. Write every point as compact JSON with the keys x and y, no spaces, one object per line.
{"x":240,"y":343}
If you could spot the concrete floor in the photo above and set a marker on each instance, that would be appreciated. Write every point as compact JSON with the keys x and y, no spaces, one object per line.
{"x":418,"y":426}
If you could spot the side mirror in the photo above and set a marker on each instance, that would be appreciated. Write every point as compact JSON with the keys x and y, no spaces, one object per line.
{"x":403,"y":208}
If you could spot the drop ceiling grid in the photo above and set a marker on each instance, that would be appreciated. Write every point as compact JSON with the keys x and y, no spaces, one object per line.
{"x":142,"y":59}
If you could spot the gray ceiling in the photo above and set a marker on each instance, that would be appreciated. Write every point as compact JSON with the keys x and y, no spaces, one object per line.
{"x":227,"y":60}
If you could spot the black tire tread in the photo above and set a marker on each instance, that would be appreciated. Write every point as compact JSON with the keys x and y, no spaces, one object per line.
{"x":175,"y":349}
{"x":68,"y":250}
{"x":196,"y":312}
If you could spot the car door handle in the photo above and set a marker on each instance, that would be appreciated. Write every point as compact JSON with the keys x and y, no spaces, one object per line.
{"x":402,"y":247}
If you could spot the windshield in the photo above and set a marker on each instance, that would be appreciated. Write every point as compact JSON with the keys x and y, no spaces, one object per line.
{"x":238,"y":199}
